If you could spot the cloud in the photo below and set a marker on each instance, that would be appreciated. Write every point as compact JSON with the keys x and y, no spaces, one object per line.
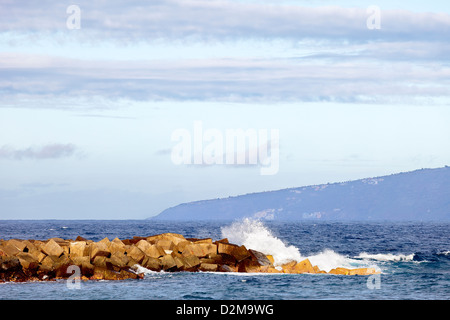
{"x":50,"y":151}
{"x":341,"y":60}
{"x":216,"y":20}
{"x":244,"y":79}
{"x":41,"y":185}
{"x":164,"y":152}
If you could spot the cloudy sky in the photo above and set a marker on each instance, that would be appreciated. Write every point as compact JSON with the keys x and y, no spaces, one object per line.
{"x":90,"y":99}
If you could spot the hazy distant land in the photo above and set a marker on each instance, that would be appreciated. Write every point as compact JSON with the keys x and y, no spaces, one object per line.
{"x":417,"y":195}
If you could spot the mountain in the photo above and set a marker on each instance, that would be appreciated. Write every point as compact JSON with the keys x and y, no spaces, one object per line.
{"x":417,"y":195}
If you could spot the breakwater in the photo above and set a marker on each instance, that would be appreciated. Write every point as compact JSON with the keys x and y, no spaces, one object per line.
{"x":57,"y":258}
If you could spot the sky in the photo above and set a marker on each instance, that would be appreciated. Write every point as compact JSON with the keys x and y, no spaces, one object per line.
{"x":93,"y":95}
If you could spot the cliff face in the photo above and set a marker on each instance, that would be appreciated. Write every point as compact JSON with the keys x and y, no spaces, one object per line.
{"x":417,"y":195}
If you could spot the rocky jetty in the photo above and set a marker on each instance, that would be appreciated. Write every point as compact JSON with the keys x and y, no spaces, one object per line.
{"x":55,"y":258}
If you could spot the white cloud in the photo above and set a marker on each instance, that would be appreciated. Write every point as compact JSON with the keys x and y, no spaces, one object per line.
{"x":343,"y":60}
{"x":218,"y":20}
{"x":50,"y":151}
{"x":303,"y":79}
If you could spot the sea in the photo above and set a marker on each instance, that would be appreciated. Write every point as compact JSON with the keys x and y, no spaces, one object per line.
{"x":413,"y":259}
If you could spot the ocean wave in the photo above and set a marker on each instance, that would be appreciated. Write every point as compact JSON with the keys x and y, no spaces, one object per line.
{"x":140,"y":269}
{"x":386,"y":256}
{"x":253,"y":234}
{"x":329,"y":259}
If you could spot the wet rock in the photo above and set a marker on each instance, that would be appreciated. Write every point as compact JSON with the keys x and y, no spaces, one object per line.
{"x":118,"y":259}
{"x":270,"y":258}
{"x":99,"y":249}
{"x":29,"y":246}
{"x":196,"y":240}
{"x":37,"y":255}
{"x":8,"y":264}
{"x":289,"y":266}
{"x":363,"y":271}
{"x":317,"y":270}
{"x":28,"y":262}
{"x":11,"y":270}
{"x":253,"y":262}
{"x":22,"y":260}
{"x":225,"y":248}
{"x":143,"y":245}
{"x":180,"y":246}
{"x":136,"y":254}
{"x":18,"y":244}
{"x":117,"y":248}
{"x":11,"y":248}
{"x":343,"y":271}
{"x":51,"y":248}
{"x":168,"y":262}
{"x":304,"y":266}
{"x":224,"y":240}
{"x":150,"y":250}
{"x":359,"y":271}
{"x":173,"y":237}
{"x":106,"y":274}
{"x":47,"y":264}
{"x":270,"y":269}
{"x":208,"y":267}
{"x":99,"y":261}
{"x":155,"y":251}
{"x":192,"y":262}
{"x":259,"y":258}
{"x":165,"y":244}
{"x":248,"y":266}
{"x":61,"y":265}
{"x":200,"y":249}
{"x":84,"y":263}
{"x":238,"y":252}
{"x":152,"y":264}
{"x":228,"y":259}
{"x":227,"y":268}
{"x":179,"y":260}
{"x":78,"y":249}
{"x":214,"y":258}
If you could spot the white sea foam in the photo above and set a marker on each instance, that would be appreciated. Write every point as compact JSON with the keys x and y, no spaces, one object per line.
{"x":386,"y":256}
{"x":328,"y":259}
{"x":140,"y":269}
{"x":254,"y":235}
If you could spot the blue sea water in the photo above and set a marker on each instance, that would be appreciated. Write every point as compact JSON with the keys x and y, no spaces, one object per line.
{"x":413,"y":257}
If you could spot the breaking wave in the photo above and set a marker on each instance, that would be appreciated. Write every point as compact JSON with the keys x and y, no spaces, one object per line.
{"x":328,"y":259}
{"x":255,"y":235}
{"x":386,"y":257}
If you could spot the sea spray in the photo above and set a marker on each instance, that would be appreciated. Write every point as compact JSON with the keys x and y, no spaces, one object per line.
{"x":386,"y":257}
{"x":254,"y":235}
{"x":328,"y":259}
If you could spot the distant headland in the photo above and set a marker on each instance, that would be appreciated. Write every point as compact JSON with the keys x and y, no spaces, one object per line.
{"x":419,"y":195}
